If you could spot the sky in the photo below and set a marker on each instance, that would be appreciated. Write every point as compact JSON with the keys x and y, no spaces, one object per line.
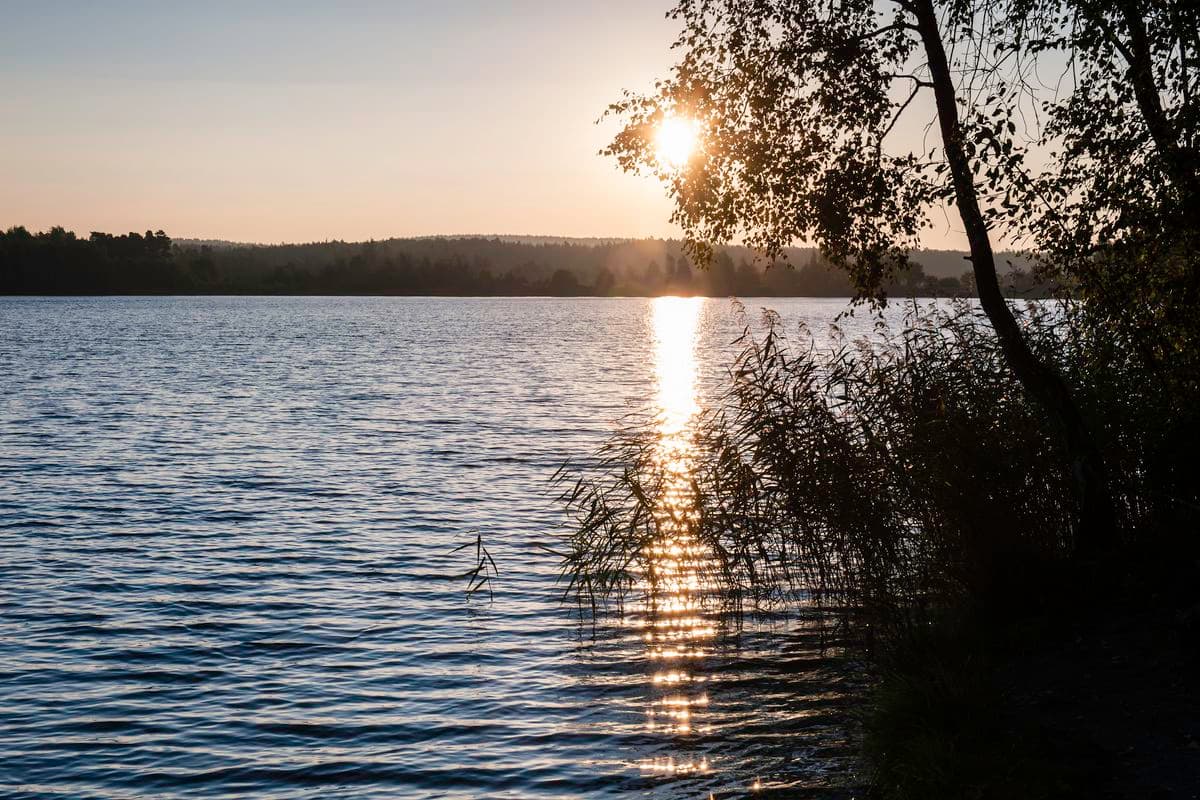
{"x":303,"y":121}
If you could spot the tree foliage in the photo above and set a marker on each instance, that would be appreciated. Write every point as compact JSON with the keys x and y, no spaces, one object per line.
{"x":1079,"y":121}
{"x":794,"y":106}
{"x":799,"y":102}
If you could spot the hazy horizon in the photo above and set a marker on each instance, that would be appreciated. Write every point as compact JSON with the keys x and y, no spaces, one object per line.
{"x":597,"y":239}
{"x":256,"y":122}
{"x":261,"y":124}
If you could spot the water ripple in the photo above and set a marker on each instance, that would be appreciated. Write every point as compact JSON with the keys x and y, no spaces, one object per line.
{"x":226,"y":526}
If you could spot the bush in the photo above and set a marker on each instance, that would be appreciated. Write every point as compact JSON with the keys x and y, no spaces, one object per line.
{"x":881,"y":479}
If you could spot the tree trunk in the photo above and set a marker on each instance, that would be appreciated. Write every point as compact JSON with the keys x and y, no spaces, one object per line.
{"x":1180,"y":164}
{"x":1042,"y":381}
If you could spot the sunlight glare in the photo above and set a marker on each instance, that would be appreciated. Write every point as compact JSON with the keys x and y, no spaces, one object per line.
{"x":675,"y":322}
{"x":676,"y":140}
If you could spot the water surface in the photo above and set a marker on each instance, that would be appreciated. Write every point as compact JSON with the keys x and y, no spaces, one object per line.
{"x":226,"y":531}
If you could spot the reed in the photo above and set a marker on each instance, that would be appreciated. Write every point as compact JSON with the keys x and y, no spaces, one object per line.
{"x":875,"y":479}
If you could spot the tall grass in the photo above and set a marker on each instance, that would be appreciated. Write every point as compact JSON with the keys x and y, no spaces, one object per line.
{"x":876,"y":479}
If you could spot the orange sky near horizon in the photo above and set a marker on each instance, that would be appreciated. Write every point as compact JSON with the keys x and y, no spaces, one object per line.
{"x":307,"y":121}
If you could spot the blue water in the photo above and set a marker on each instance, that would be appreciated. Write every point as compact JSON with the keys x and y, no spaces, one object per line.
{"x":227,"y":532}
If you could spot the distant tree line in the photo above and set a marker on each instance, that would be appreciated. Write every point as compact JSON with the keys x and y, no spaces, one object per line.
{"x":59,"y":262}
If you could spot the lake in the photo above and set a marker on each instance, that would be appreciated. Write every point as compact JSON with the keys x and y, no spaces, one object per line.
{"x":228,"y":532}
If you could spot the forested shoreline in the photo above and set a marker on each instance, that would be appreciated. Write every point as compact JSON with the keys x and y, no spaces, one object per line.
{"x":61,"y":262}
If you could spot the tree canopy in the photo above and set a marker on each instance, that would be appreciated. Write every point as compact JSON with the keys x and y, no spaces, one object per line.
{"x":799,"y":104}
{"x":1078,"y":121}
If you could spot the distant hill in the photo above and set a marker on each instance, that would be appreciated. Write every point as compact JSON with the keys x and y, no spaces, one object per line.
{"x":936,"y":263}
{"x":589,"y":241}
{"x":59,"y":262}
{"x":953,"y":263}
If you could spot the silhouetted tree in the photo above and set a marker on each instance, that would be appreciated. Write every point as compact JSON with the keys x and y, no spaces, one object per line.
{"x":1116,"y":214}
{"x":652,"y":278}
{"x":799,"y":101}
{"x":680,"y":280}
{"x":563,"y":282}
{"x":605,"y":281}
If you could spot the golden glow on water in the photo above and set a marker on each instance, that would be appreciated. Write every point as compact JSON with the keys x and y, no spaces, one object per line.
{"x":675,"y":322}
{"x":671,"y":766}
{"x":677,"y":627}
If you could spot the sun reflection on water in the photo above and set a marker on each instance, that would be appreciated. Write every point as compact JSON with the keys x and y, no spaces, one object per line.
{"x":677,"y":626}
{"x":675,"y":322}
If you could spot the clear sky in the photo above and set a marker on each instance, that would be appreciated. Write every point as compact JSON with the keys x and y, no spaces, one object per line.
{"x":298,"y":121}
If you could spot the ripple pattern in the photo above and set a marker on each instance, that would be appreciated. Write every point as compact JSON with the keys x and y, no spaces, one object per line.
{"x":227,"y":532}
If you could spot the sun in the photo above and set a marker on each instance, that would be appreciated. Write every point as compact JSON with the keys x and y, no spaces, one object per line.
{"x":676,"y":140}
